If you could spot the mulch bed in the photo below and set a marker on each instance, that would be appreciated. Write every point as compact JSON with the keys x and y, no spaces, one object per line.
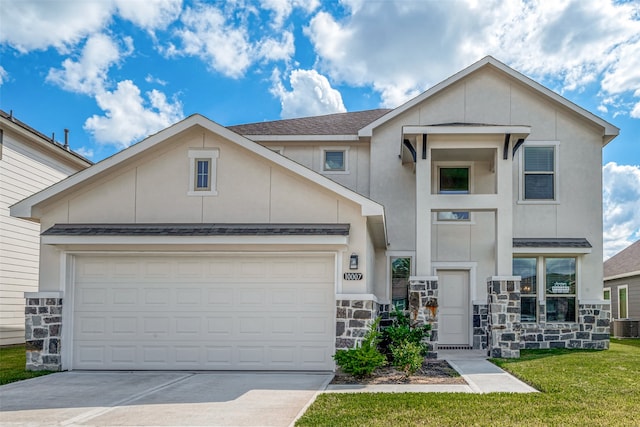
{"x":431,"y":372}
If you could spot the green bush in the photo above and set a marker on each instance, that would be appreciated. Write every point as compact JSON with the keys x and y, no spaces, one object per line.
{"x":401,"y":331}
{"x":365,"y":358}
{"x":407,"y":356}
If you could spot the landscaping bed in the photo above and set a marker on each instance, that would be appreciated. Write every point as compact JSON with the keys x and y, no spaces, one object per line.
{"x":431,"y":372}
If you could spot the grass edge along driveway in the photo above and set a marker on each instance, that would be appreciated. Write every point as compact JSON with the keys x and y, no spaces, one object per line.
{"x":12,"y":362}
{"x":579,"y":388}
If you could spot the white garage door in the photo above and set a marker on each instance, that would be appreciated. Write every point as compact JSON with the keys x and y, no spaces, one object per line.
{"x":244,"y":312}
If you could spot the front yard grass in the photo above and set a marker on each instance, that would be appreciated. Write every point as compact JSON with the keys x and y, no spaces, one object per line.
{"x":578,"y":387}
{"x":12,"y":362}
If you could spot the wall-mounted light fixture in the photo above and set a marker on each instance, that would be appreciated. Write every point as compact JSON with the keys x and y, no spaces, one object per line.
{"x":353,"y":262}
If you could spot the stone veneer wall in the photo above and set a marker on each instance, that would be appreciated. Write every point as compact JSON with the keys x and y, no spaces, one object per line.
{"x":590,"y":332}
{"x":504,"y":317}
{"x":480,"y":326}
{"x":423,"y":308}
{"x":353,"y":318}
{"x":43,"y":330}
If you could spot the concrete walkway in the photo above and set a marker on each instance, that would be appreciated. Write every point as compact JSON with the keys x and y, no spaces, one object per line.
{"x":481,"y":376}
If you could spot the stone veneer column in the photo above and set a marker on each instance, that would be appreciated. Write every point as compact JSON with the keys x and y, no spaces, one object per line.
{"x":353,"y":318}
{"x":504,"y":316}
{"x":423,"y":307}
{"x":43,"y":329}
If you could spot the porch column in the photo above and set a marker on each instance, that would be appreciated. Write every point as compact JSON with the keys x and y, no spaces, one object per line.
{"x":504,"y":316}
{"x":504,"y":217}
{"x":423,"y":216}
{"x":43,"y":330}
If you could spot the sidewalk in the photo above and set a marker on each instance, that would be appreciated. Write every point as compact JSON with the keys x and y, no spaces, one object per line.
{"x":481,"y":376}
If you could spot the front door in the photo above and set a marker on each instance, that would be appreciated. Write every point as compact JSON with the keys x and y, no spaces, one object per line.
{"x":453,"y":310}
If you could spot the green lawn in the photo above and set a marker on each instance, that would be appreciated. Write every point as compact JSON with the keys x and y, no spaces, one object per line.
{"x":12,"y":362}
{"x":579,"y":388}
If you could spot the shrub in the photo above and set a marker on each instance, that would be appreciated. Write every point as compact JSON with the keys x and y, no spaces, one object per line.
{"x":401,"y":332}
{"x":365,"y":358}
{"x":407,"y":356}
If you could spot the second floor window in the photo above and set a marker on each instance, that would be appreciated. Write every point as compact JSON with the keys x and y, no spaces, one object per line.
{"x":203,"y":175}
{"x":453,"y":180}
{"x":334,"y":160}
{"x":539,"y":173}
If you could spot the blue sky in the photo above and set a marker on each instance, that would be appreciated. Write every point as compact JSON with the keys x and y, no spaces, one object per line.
{"x":115,"y":71}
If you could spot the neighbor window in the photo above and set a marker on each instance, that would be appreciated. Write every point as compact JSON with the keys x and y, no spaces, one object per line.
{"x":539,"y":173}
{"x":453,"y":180}
{"x":335,"y":161}
{"x":527,"y":269}
{"x":623,"y":305}
{"x":400,"y":273}
{"x":202,"y":167}
{"x":558,"y":275}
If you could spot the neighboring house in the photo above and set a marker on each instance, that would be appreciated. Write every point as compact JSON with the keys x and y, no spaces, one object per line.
{"x":476,"y":205}
{"x":29,"y":162}
{"x":622,"y":283}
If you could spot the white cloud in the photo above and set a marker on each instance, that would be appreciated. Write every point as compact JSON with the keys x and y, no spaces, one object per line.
{"x":88,"y":74}
{"x":3,"y":75}
{"x":151,"y":79}
{"x":573,"y":42}
{"x":223,"y":40}
{"x":129,"y":117}
{"x":282,"y":8}
{"x":621,"y":206}
{"x":36,"y":24}
{"x":311,"y":94}
{"x":635,"y":113}
{"x":150,"y":14}
{"x":85,"y":152}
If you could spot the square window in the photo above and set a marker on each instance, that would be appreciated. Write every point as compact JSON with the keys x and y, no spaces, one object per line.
{"x":539,"y":173}
{"x":335,"y":160}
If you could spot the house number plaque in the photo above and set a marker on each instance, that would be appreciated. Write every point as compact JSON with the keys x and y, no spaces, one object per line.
{"x":352,"y":276}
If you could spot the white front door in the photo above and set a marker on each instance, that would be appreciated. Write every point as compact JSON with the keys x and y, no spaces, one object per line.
{"x":453,"y":311}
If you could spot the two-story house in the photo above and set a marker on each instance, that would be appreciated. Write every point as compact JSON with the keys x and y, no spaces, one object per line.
{"x":475,"y":206}
{"x":29,"y":162}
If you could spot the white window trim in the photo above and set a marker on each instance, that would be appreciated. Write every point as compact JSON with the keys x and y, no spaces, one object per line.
{"x":556,"y":173}
{"x":211,"y":154}
{"x":605,"y":290}
{"x":397,"y":254}
{"x":344,"y":149}
{"x":618,"y":288}
{"x":435,"y":179}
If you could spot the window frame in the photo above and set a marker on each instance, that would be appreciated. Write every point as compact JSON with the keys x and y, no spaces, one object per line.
{"x":626,"y":289}
{"x":210,"y":155}
{"x":391,"y":256}
{"x":438,"y":166}
{"x":541,"y":285}
{"x":323,"y":158}
{"x":533,"y":295}
{"x":556,"y":172}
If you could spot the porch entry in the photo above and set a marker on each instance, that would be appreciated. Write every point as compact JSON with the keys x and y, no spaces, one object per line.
{"x":454,"y":312}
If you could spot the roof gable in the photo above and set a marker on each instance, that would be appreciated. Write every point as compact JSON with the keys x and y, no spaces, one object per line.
{"x":624,"y":262}
{"x":609,"y":131}
{"x":28,"y":208}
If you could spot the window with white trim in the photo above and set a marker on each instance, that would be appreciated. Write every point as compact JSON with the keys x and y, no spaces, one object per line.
{"x":335,"y":160}
{"x":559,"y":293}
{"x":539,"y":172}
{"x":202,"y":172}
{"x":454,"y":180}
{"x":400,"y":269}
{"x":623,"y":302}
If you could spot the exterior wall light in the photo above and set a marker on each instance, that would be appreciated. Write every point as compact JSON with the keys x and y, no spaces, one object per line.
{"x":353,"y":262}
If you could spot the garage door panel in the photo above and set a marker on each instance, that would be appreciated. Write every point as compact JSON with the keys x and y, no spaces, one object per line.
{"x":224,"y":312}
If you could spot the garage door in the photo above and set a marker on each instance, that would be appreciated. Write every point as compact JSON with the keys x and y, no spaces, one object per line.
{"x":243,"y":311}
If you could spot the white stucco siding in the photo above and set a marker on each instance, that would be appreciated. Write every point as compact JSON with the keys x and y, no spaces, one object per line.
{"x":153,"y":188}
{"x":23,"y":171}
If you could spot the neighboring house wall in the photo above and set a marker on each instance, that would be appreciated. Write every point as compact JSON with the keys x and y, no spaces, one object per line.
{"x":25,"y":168}
{"x":632,"y":285}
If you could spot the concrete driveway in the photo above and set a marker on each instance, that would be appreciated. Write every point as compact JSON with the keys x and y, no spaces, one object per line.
{"x":159,"y":399}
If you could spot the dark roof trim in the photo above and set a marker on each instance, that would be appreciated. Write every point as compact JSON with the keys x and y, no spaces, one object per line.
{"x":551,"y":243}
{"x":198,"y":230}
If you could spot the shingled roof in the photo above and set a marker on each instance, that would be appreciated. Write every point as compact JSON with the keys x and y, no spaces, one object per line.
{"x":624,"y":262}
{"x":330,"y":124}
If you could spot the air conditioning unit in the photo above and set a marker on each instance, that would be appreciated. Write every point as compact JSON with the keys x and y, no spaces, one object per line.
{"x":626,"y":328}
